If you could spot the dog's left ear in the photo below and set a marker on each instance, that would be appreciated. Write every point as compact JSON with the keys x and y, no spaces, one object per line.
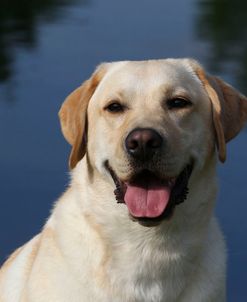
{"x":229,"y":108}
{"x":73,"y":115}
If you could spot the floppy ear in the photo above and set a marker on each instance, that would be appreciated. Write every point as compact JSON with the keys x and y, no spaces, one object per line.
{"x":229,"y":108}
{"x":73,"y":116}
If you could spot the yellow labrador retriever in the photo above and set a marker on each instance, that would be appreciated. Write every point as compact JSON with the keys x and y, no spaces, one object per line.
{"x":137,"y":222}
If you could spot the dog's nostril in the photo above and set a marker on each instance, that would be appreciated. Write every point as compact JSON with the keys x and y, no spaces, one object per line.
{"x":142,"y":143}
{"x":132,"y":144}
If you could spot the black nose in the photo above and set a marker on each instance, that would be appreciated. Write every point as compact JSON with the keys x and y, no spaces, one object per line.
{"x":143,"y":143}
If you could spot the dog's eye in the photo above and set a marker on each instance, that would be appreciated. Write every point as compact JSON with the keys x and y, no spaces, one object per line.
{"x":178,"y":103}
{"x":115,"y":107}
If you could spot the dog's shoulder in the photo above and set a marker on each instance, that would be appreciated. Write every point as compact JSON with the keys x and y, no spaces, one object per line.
{"x":14,"y":271}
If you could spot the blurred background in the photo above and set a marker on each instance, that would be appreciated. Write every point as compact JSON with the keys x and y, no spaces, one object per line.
{"x":48,"y":47}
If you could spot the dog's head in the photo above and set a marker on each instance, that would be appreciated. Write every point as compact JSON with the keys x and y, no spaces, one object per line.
{"x":145,"y":127}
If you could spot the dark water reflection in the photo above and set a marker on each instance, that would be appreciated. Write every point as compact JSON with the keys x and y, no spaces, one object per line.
{"x":223,"y":24}
{"x":19,"y":22}
{"x":47,"y":47}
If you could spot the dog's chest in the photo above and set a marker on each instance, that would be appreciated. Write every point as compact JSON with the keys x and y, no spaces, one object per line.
{"x":146,"y":274}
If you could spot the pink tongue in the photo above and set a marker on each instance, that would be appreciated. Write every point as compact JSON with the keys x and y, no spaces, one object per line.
{"x":148,"y":198}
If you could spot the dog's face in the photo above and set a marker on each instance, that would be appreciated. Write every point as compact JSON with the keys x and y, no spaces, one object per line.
{"x":149,"y":123}
{"x":148,"y":126}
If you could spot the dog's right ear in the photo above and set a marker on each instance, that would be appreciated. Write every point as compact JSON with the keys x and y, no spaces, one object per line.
{"x":73,"y":115}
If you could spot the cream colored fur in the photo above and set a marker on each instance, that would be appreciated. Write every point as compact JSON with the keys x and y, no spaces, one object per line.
{"x":90,"y":250}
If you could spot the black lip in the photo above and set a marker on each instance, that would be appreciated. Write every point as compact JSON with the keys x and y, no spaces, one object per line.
{"x":120,"y":190}
{"x":179,"y":194}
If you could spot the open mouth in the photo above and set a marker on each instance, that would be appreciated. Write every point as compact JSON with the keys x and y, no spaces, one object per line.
{"x":150,"y":198}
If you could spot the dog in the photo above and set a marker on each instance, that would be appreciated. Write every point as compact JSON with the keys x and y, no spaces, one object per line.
{"x":137,"y":222}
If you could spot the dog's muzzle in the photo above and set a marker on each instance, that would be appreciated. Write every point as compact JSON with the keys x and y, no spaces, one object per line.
{"x":148,"y":194}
